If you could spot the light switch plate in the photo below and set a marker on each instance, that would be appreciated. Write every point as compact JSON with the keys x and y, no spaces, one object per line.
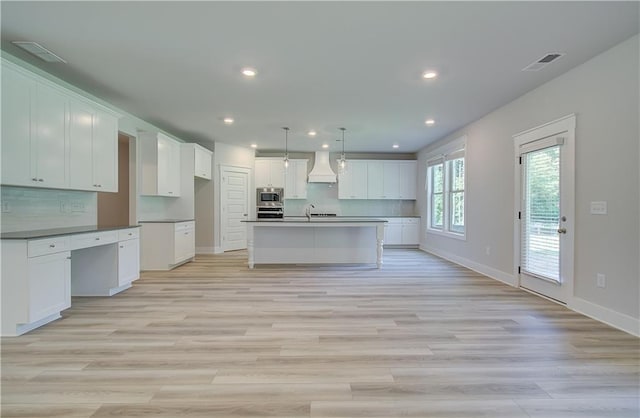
{"x":599,"y":208}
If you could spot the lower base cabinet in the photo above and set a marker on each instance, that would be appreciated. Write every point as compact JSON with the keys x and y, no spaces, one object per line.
{"x":48,"y":283}
{"x":128,"y":261}
{"x":166,"y":245}
{"x":402,"y":231}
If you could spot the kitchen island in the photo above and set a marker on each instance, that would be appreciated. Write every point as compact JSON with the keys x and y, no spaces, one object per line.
{"x":300,"y":240}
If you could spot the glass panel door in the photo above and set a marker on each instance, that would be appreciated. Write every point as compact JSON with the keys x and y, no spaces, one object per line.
{"x":540,"y":246}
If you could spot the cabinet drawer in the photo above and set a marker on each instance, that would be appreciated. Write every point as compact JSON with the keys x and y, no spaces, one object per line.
{"x":125,"y":234}
{"x":184,"y":226}
{"x":93,"y":240}
{"x":39,"y":247}
{"x":411,"y":221}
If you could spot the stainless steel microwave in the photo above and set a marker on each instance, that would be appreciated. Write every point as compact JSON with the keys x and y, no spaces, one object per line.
{"x":269,"y":196}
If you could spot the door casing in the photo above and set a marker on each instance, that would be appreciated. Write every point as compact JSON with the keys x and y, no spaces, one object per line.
{"x":566,"y":127}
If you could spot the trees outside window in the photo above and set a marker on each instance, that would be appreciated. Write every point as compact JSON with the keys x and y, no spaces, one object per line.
{"x":445,"y":194}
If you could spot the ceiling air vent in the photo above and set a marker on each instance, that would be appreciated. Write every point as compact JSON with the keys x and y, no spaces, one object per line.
{"x":39,"y":51}
{"x":543,"y":62}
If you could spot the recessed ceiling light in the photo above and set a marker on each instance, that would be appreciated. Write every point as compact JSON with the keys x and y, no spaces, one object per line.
{"x":325,"y":145}
{"x":249,"y":72}
{"x":429,"y":74}
{"x":227,"y":121}
{"x":312,"y":133}
{"x":254,"y":145}
{"x":429,"y":122}
{"x":396,"y":146}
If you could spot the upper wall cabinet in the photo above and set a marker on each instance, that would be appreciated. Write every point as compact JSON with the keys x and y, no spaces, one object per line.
{"x":93,"y":149}
{"x":159,"y":165}
{"x":202,"y":162}
{"x":269,"y":172}
{"x":352,"y":183}
{"x":296,"y":180}
{"x":378,"y":179}
{"x":54,"y":138}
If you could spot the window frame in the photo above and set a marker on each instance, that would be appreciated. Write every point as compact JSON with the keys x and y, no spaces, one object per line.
{"x":445,"y":156}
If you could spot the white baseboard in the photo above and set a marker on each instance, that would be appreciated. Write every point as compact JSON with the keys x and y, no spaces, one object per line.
{"x":618,"y":320}
{"x":205,"y":250}
{"x":218,"y":250}
{"x":599,"y":313}
{"x":498,"y":275}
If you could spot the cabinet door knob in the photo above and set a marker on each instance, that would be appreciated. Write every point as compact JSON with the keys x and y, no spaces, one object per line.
{"x":122,"y":246}
{"x":52,"y":245}
{"x":130,"y":234}
{"x":97,"y":239}
{"x":40,"y":179}
{"x":34,"y":179}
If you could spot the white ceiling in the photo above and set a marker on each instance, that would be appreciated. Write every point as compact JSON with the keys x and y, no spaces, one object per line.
{"x":321,"y":65}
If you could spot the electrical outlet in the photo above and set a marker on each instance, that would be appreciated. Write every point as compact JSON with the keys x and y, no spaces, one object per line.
{"x":598,"y":208}
{"x":601,"y":280}
{"x":77,"y":206}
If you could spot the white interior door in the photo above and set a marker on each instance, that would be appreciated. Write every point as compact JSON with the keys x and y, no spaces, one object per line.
{"x":545,"y":209}
{"x":234,"y":201}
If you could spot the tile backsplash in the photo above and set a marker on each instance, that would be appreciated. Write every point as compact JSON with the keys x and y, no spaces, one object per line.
{"x":325,"y":199}
{"x":26,"y":209}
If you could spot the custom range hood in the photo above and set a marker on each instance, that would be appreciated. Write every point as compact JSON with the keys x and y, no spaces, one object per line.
{"x":322,"y":172}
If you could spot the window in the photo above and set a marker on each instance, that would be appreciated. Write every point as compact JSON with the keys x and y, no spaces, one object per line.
{"x":445,"y":192}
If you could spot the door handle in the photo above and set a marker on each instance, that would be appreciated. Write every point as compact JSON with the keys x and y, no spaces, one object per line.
{"x":562,"y":230}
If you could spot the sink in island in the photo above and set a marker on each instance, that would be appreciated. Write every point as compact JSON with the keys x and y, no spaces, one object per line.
{"x":330,"y":240}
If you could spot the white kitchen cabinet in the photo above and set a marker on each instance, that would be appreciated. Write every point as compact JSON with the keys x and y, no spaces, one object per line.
{"x":375,"y":180}
{"x":202,"y":162}
{"x":128,"y":261}
{"x":105,"y":152}
{"x":49,"y":159}
{"x":184,"y":237}
{"x":353,"y":183}
{"x":18,"y":102}
{"x":165,"y":245}
{"x":393,"y":231}
{"x":411,"y":231}
{"x":296,"y":180}
{"x":34,"y":138}
{"x":36,"y":278}
{"x":269,"y":172}
{"x":407,"y":177}
{"x":390,"y":179}
{"x":49,"y":136}
{"x":160,"y":165}
{"x":402,"y":231}
{"x":93,"y":148}
{"x":49,"y":281}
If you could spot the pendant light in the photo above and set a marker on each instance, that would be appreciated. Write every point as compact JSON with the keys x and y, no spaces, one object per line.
{"x":286,"y":148}
{"x":342,"y":164}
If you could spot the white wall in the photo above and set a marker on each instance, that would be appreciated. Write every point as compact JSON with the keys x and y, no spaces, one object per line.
{"x":603,"y":93}
{"x":229,"y":155}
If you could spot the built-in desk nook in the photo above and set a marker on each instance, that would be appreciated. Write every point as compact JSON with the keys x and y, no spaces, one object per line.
{"x":42,"y":269}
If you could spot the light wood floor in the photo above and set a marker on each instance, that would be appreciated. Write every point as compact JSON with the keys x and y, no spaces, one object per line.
{"x":420,"y":338}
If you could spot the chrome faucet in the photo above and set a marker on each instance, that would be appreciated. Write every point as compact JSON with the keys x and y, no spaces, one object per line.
{"x":307,"y":211}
